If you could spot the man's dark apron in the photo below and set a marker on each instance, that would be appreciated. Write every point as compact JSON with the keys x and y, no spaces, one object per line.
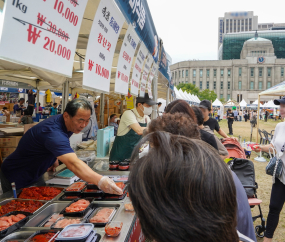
{"x":123,"y":145}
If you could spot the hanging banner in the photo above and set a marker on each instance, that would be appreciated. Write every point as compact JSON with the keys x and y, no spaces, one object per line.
{"x":125,"y":61}
{"x":102,"y":42}
{"x":164,"y":67}
{"x":137,"y":70}
{"x":42,"y":34}
{"x":138,"y":14}
{"x":150,"y":78}
{"x":145,"y":74}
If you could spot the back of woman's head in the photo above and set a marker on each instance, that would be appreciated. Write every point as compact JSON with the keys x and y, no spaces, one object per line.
{"x":180,"y":106}
{"x":199,"y":115}
{"x":182,"y":191}
{"x":177,"y":123}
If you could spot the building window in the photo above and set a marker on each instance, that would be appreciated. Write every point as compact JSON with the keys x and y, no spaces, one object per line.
{"x":260,"y":71}
{"x":282,"y":71}
{"x":252,"y":71}
{"x":251,"y":85}
{"x":222,"y":85}
{"x":194,"y":83}
{"x":215,"y":72}
{"x":260,"y":85}
{"x":215,"y":85}
{"x":222,"y":72}
{"x":201,"y":73}
{"x":175,"y":74}
{"x":229,"y":96}
{"x":194,"y":73}
{"x":268,"y":84}
{"x":239,"y":71}
{"x":179,"y":74}
{"x":208,"y":73}
{"x":239,"y":85}
{"x":186,"y":82}
{"x":208,"y":84}
{"x":229,"y":72}
{"x":269,"y":71}
{"x":221,"y":96}
{"x":182,"y":74}
{"x":229,"y":85}
{"x":186,"y":73}
{"x":201,"y":85}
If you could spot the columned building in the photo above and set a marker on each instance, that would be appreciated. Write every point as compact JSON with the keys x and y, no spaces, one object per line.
{"x":256,"y":70}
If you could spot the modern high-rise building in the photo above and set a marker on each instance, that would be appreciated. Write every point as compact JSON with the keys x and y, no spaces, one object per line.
{"x":234,"y":22}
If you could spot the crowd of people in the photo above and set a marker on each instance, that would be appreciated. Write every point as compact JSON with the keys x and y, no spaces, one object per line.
{"x":180,"y":186}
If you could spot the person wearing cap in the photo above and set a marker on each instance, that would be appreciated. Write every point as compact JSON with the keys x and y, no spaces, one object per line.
{"x":231,"y":118}
{"x":132,"y":125}
{"x":206,"y":108}
{"x":277,"y":198}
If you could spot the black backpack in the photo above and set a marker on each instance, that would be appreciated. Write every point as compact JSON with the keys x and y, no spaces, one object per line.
{"x":244,"y":169}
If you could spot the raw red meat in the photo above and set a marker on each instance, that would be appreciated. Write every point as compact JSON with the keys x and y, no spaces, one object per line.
{"x":7,"y":221}
{"x":64,"y":222}
{"x":76,"y":187}
{"x":40,"y":193}
{"x":44,"y":237}
{"x":102,"y":216}
{"x":78,"y":206}
{"x":24,"y":206}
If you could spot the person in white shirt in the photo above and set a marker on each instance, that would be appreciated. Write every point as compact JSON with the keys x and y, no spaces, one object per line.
{"x":132,"y":125}
{"x":277,"y":199}
{"x":219,"y":114}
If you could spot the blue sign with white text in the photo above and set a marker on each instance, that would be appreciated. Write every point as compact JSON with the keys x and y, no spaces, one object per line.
{"x":164,"y":68}
{"x":137,"y":13}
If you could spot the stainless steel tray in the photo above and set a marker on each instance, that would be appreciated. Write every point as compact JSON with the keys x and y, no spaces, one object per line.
{"x":18,"y":235}
{"x":39,"y":218}
{"x":5,"y":201}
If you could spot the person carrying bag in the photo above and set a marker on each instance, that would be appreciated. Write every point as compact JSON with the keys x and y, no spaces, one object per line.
{"x":275,"y":169}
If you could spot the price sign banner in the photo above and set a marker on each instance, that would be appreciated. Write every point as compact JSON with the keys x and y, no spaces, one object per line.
{"x":102,"y":42}
{"x":125,"y":61}
{"x":42,"y":33}
{"x":146,"y":71}
{"x":137,"y":70}
{"x":150,"y":78}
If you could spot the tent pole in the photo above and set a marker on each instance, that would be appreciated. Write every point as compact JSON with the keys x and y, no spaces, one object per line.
{"x":258,"y":110}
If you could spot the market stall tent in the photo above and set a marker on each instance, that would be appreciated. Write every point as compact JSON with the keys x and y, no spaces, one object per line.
{"x":243,"y":103}
{"x":217,"y":103}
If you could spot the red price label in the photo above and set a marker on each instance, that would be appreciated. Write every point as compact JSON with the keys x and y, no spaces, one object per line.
{"x":66,"y":13}
{"x":104,"y":42}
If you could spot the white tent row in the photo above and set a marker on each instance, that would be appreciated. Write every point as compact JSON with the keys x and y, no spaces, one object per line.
{"x":270,"y":104}
{"x":243,"y":103}
{"x":217,"y":103}
{"x":186,"y":96}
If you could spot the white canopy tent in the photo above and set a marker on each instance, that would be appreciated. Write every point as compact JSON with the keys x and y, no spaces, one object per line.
{"x":270,"y":104}
{"x":217,"y":103}
{"x":243,"y":103}
{"x":229,"y":103}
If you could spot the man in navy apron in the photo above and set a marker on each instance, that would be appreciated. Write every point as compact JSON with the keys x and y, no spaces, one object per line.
{"x":133,"y":123}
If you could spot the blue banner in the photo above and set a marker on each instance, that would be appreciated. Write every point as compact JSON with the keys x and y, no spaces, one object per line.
{"x":164,"y":68}
{"x":137,"y":13}
{"x":12,"y":90}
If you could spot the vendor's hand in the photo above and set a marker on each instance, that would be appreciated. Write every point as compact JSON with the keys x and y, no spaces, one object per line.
{"x":107,"y":185}
{"x":54,"y":166}
{"x":256,"y":148}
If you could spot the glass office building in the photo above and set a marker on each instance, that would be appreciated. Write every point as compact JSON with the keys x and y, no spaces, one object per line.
{"x":233,"y":43}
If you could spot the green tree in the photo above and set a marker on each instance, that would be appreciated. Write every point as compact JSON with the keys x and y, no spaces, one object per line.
{"x":222,"y":100}
{"x":207,"y":94}
{"x":189,"y":88}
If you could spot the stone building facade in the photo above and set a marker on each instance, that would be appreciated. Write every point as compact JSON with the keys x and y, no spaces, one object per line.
{"x":237,"y":79}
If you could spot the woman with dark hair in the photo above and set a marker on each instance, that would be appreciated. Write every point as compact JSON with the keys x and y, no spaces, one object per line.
{"x":180,"y":106}
{"x":177,"y":123}
{"x":165,"y":188}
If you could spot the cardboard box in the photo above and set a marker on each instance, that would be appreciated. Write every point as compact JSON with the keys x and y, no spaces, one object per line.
{"x":116,"y":109}
{"x":11,"y":141}
{"x":105,"y":119}
{"x":111,"y":111}
{"x":7,"y":151}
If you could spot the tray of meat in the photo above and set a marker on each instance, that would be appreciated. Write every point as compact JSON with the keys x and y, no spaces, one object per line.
{"x":88,"y":192}
{"x":112,"y":197}
{"x":76,"y":232}
{"x":75,"y":189}
{"x":78,"y":207}
{"x":65,"y":221}
{"x":44,"y":236}
{"x":19,"y":236}
{"x":40,"y":193}
{"x":11,"y":205}
{"x":91,"y":186}
{"x":68,"y":198}
{"x":12,"y":221}
{"x":47,"y":223}
{"x":102,"y":214}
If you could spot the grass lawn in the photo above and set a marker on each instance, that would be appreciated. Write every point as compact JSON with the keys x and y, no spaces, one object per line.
{"x":264,"y":181}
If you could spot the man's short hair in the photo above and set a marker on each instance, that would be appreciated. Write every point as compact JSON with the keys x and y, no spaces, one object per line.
{"x":75,"y":104}
{"x":206,"y":104}
{"x":112,"y":115}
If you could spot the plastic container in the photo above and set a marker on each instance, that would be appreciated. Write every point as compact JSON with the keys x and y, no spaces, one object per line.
{"x":80,"y":213}
{"x":54,"y":225}
{"x":112,"y":197}
{"x":89,"y":192}
{"x":113,"y":165}
{"x":75,"y":232}
{"x":111,"y":210}
{"x":65,"y":174}
{"x":17,"y":225}
{"x":69,"y":198}
{"x":93,"y":237}
{"x":124,"y":166}
{"x":113,"y":229}
{"x":75,"y":189}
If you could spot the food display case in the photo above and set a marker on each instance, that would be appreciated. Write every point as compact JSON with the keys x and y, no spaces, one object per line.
{"x":43,"y":217}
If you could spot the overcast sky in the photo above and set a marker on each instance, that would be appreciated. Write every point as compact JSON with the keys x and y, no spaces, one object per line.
{"x":189,"y":29}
